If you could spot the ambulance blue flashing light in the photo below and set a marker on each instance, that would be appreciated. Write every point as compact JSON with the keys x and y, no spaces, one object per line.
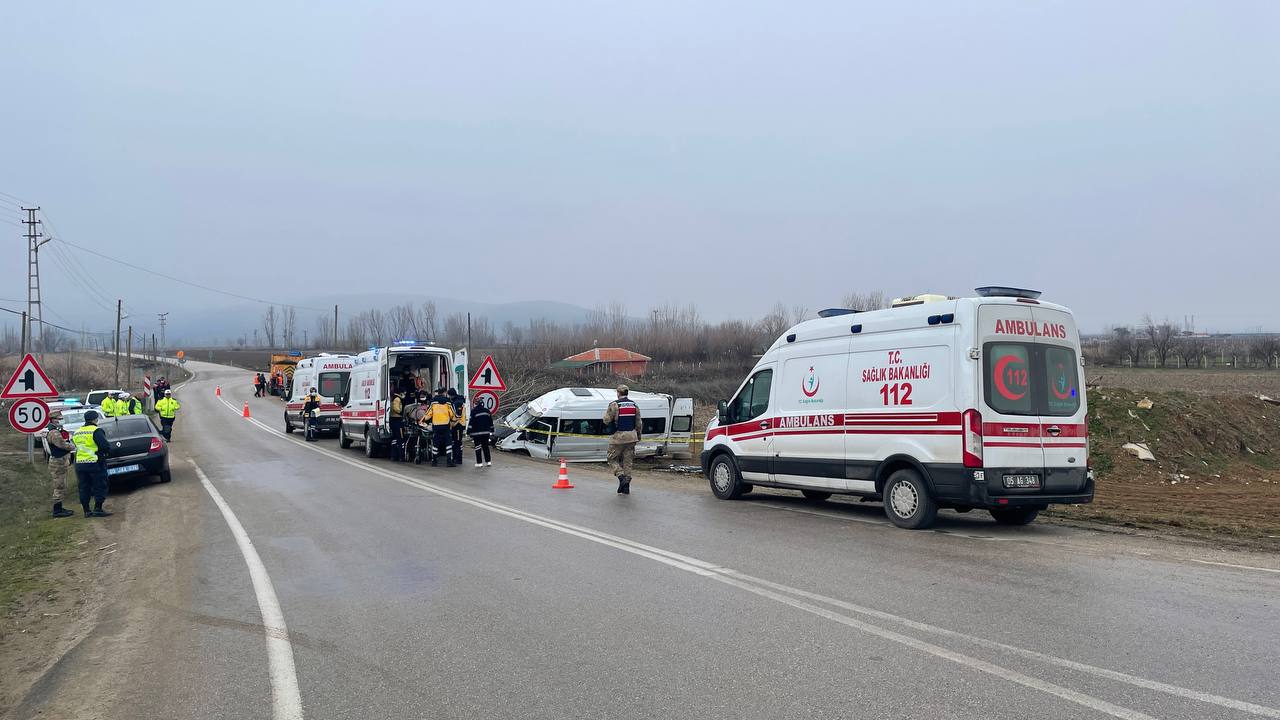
{"x":406,"y":342}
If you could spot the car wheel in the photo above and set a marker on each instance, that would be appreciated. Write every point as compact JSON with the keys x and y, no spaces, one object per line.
{"x":907,"y":502}
{"x":344,"y":442}
{"x":165,"y":475}
{"x":370,"y":447}
{"x":726,"y":481}
{"x":1015,"y":516}
{"x":288,"y":426}
{"x":815,"y":495}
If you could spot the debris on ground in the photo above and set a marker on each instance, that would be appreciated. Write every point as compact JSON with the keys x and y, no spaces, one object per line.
{"x":1139,"y":450}
{"x":1134,"y":415}
{"x":1145,"y":404}
{"x":683,"y":469}
{"x":1269,"y":400}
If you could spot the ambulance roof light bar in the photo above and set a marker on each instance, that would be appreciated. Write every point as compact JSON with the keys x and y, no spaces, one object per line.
{"x":835,"y":312}
{"x":1003,"y":291}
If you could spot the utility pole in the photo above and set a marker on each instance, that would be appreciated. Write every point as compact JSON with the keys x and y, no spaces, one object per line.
{"x":304,"y":339}
{"x":35,"y":315}
{"x":335,"y":327}
{"x":119,"y":313}
{"x":129,"y":356}
{"x":162,"y":317}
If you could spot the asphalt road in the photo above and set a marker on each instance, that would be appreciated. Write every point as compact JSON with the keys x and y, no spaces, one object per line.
{"x":418,"y":592}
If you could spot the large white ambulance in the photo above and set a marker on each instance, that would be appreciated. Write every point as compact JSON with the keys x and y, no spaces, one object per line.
{"x":376,"y":373}
{"x":330,"y":375}
{"x":937,"y":402}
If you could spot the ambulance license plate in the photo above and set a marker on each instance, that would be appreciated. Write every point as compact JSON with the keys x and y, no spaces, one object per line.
{"x":123,"y":469}
{"x":1022,"y":481}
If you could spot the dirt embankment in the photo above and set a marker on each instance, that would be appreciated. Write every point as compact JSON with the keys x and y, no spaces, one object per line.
{"x":1216,"y":471}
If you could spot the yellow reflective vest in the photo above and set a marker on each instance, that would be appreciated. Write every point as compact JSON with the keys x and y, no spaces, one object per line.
{"x":167,"y":407}
{"x":108,"y":406}
{"x":442,"y":413}
{"x":86,"y":445}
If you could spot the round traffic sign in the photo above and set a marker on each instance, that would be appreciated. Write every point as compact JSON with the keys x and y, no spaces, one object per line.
{"x":488,"y":398}
{"x":29,"y":415}
{"x":181,"y":354}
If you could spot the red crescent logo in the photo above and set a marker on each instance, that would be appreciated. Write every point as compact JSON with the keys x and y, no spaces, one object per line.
{"x":1054,"y":386}
{"x":999,"y":369}
{"x":817,"y":384}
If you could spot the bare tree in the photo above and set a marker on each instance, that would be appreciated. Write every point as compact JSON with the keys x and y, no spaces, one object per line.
{"x":289,"y":323}
{"x":424,"y":322}
{"x":772,"y":324}
{"x":1191,"y":350}
{"x":55,"y":340}
{"x":864,"y":301}
{"x":1266,"y":349}
{"x":455,"y":329}
{"x":400,"y":321}
{"x":1159,"y":337}
{"x":323,"y":333}
{"x":269,"y":325}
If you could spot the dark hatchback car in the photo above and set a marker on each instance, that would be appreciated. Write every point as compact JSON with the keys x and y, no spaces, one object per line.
{"x":136,"y":448}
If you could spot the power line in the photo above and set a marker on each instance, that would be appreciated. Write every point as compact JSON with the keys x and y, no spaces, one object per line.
{"x":60,"y":327}
{"x":187,"y":282}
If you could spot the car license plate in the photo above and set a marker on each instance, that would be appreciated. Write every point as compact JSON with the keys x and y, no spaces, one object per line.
{"x":1022,"y":481}
{"x":123,"y":469}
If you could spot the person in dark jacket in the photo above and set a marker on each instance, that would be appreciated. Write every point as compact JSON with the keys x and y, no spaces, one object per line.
{"x":91,"y":464}
{"x":480,"y":428}
{"x":459,"y":404}
{"x":310,"y":405}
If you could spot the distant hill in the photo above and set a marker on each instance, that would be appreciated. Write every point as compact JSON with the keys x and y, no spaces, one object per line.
{"x":217,"y":324}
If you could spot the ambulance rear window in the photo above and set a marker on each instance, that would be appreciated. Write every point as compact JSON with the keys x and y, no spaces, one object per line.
{"x":332,"y":384}
{"x":1008,"y":378}
{"x":1031,"y":379}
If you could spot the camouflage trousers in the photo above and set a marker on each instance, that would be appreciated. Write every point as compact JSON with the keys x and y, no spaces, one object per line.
{"x":58,"y":472}
{"x":620,"y":457}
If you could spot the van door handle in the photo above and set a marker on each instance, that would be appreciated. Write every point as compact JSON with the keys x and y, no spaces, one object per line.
{"x":764,"y":424}
{"x":1053,"y":430}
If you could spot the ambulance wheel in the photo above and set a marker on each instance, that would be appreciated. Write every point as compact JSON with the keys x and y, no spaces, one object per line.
{"x":815,"y":495}
{"x":1015,"y":516}
{"x":726,"y":481}
{"x":907,"y":503}
{"x":288,"y":426}
{"x":344,"y":442}
{"x":370,"y":447}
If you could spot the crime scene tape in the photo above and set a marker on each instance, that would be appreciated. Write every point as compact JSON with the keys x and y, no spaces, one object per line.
{"x":694,"y":437}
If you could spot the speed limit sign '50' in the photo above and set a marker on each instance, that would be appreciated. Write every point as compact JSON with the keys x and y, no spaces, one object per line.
{"x":30,"y":415}
{"x":487,"y":398}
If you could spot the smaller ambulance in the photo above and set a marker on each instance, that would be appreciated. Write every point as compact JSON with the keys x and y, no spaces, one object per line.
{"x":934,"y":403}
{"x":330,"y":375}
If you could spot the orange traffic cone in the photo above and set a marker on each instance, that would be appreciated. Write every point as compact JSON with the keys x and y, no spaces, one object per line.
{"x":246,"y":408}
{"x":217,"y":391}
{"x":562,"y":482}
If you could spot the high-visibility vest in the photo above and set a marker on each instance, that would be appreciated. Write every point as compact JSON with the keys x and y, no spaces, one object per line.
{"x":442,"y":413}
{"x":167,"y":407}
{"x":108,"y":406}
{"x":128,"y":407}
{"x":86,"y":446}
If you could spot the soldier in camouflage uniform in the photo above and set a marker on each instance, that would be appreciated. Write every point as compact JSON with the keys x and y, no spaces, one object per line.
{"x":64,"y":449}
{"x":624,"y":415}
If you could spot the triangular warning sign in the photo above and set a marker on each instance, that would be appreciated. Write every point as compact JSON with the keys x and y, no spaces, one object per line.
{"x":29,"y":381}
{"x":487,"y":377}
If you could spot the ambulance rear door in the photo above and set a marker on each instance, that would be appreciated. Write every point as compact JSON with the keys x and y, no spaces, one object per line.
{"x":1064,"y":429}
{"x":1011,"y":449}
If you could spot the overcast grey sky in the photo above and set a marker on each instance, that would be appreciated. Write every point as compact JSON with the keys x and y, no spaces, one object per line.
{"x":1122,"y":156}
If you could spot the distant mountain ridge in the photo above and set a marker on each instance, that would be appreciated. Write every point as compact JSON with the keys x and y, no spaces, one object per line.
{"x":206,"y":326}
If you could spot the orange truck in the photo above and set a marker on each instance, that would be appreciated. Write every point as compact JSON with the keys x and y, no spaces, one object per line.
{"x":280,"y":377}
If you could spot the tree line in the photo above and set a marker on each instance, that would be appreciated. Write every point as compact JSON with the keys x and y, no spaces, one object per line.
{"x":1162,"y":344}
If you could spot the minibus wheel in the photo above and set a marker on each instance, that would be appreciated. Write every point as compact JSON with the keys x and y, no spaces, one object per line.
{"x":1014,"y":516}
{"x":726,"y":481}
{"x":344,"y":442}
{"x":907,"y":502}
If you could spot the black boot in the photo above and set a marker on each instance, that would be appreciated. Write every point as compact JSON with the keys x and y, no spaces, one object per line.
{"x":61,"y":512}
{"x":99,"y":512}
{"x":622,"y":484}
{"x":625,"y":487}
{"x":87,"y":511}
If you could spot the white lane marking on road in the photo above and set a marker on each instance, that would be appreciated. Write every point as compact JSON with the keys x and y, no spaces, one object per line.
{"x":764,"y":588}
{"x":286,"y":699}
{"x":1238,"y":567}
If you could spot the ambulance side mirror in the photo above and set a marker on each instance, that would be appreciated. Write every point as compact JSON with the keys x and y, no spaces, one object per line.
{"x":722,"y":411}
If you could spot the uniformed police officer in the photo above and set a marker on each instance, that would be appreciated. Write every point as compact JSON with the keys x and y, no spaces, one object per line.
{"x":310,"y":405}
{"x":167,"y":409}
{"x":624,"y":415}
{"x":91,"y":464}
